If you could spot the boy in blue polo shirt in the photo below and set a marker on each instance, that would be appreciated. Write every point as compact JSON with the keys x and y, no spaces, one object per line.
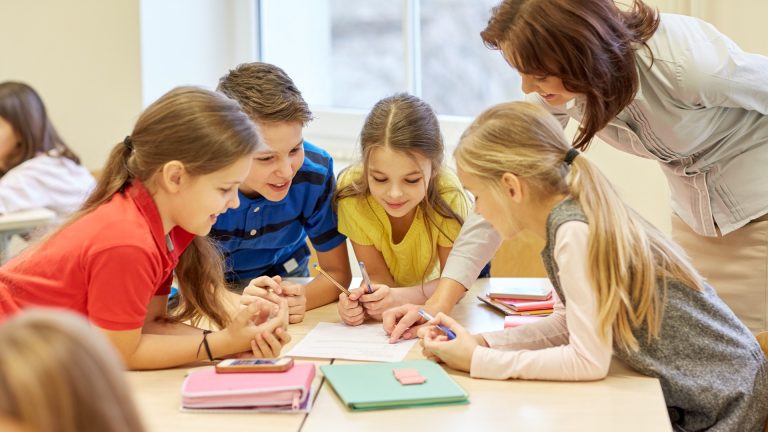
{"x":285,"y":198}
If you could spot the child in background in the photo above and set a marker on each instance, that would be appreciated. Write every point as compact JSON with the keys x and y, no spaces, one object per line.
{"x":57,"y":374}
{"x":625,"y":288}
{"x":38,"y":169}
{"x":285,"y":198}
{"x":400,"y":207}
{"x":147,"y":220}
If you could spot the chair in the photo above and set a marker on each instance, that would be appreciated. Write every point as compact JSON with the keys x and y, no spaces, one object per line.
{"x":762,"y":338}
{"x":21,"y":223}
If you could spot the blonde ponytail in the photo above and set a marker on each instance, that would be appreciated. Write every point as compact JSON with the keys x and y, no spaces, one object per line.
{"x":628,"y":255}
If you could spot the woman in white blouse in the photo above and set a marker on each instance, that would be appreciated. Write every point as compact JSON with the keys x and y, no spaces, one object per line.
{"x":664,"y":87}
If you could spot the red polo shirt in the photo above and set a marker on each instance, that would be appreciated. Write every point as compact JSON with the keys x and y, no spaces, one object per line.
{"x":107,"y":265}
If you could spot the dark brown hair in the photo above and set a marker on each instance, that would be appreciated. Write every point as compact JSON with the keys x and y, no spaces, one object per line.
{"x":22,"y":107}
{"x":205,"y":131}
{"x":589,"y":44}
{"x":406,"y":124}
{"x":266,"y":93}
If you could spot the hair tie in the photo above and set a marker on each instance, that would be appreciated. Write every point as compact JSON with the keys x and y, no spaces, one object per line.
{"x":570,"y":156}
{"x":128,"y":143}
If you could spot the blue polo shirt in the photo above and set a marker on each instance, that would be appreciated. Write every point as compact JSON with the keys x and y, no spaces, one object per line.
{"x":263,"y":237}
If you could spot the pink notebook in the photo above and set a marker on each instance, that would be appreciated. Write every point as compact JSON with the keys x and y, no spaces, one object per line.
{"x":528,"y":305}
{"x":272,"y":391}
{"x":511,"y":321}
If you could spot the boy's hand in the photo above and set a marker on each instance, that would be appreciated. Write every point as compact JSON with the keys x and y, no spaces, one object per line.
{"x":297,"y":300}
{"x":351,"y":311}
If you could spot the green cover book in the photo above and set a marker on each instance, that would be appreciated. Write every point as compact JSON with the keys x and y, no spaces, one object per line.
{"x":370,"y":386}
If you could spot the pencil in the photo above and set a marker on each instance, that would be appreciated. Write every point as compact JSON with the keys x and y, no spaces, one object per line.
{"x":338,"y":285}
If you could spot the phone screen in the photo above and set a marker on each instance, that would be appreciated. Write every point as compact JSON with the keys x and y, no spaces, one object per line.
{"x":254,"y":365}
{"x":251,"y":362}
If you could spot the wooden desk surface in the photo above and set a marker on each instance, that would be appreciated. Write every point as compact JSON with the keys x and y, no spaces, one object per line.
{"x":623,"y":400}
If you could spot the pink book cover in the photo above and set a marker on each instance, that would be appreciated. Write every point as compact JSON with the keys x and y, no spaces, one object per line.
{"x":511,"y":321}
{"x":207,"y":389}
{"x":528,"y":305}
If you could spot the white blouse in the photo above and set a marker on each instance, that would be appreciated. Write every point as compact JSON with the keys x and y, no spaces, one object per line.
{"x":55,"y":183}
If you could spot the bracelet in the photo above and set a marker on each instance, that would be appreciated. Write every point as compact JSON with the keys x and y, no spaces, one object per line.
{"x":204,"y":343}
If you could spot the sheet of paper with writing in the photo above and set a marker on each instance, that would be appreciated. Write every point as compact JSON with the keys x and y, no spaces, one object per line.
{"x":367,"y":342}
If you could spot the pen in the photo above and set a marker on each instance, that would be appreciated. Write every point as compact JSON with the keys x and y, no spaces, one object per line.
{"x":338,"y":285}
{"x":366,"y":279}
{"x":448,"y":332}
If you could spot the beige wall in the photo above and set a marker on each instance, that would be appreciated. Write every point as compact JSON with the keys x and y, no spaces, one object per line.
{"x":641,"y":182}
{"x":83,"y":57}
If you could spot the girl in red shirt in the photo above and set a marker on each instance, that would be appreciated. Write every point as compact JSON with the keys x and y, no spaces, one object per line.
{"x":146,"y":222}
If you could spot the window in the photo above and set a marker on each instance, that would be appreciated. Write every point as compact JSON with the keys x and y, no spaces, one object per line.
{"x":349,"y":54}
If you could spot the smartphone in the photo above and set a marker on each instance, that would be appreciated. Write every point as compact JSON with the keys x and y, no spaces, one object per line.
{"x":254,"y":365}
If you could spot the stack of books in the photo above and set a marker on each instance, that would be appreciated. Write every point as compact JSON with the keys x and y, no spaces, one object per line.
{"x":523,"y":300}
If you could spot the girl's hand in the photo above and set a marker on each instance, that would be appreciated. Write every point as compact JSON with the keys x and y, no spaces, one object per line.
{"x":249,"y":323}
{"x":456,"y":353}
{"x":263,"y":289}
{"x":269,"y":345}
{"x":376,"y":303}
{"x":351,"y":311}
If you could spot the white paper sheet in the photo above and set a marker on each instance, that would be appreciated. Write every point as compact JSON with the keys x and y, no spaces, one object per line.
{"x":368,"y":342}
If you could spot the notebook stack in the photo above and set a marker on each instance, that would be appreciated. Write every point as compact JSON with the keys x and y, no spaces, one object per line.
{"x":204,"y":390}
{"x":523,"y":300}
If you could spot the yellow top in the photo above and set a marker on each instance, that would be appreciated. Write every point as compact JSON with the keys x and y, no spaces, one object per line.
{"x":365,"y":222}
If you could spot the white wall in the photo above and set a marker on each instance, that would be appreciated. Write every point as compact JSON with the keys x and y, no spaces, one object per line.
{"x":97,"y":63}
{"x":83,"y":57}
{"x":193,"y":42}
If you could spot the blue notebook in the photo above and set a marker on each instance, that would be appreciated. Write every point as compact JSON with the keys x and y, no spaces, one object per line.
{"x":370,"y":386}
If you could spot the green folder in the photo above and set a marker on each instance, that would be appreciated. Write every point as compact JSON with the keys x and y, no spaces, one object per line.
{"x":370,"y":386}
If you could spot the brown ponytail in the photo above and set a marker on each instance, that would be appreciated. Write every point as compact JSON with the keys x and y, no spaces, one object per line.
{"x":205,"y":131}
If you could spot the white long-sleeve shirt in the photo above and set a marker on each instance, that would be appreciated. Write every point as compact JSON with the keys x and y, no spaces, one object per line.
{"x":51,"y":182}
{"x":566,"y":344}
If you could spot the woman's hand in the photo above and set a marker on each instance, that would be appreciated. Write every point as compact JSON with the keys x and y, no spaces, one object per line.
{"x":456,"y":353}
{"x":403,"y":321}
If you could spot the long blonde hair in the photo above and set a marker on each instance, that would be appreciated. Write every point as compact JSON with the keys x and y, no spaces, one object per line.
{"x":57,"y":374}
{"x":627,"y":255}
{"x":206,"y":131}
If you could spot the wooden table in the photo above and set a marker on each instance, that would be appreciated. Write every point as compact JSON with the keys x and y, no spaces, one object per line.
{"x":624,"y":400}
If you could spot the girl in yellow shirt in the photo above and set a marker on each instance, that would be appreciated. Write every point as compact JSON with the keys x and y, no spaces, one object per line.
{"x":400,"y":207}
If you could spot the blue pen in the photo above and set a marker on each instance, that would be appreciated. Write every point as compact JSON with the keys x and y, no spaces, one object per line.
{"x":366,"y":279}
{"x":448,"y":332}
